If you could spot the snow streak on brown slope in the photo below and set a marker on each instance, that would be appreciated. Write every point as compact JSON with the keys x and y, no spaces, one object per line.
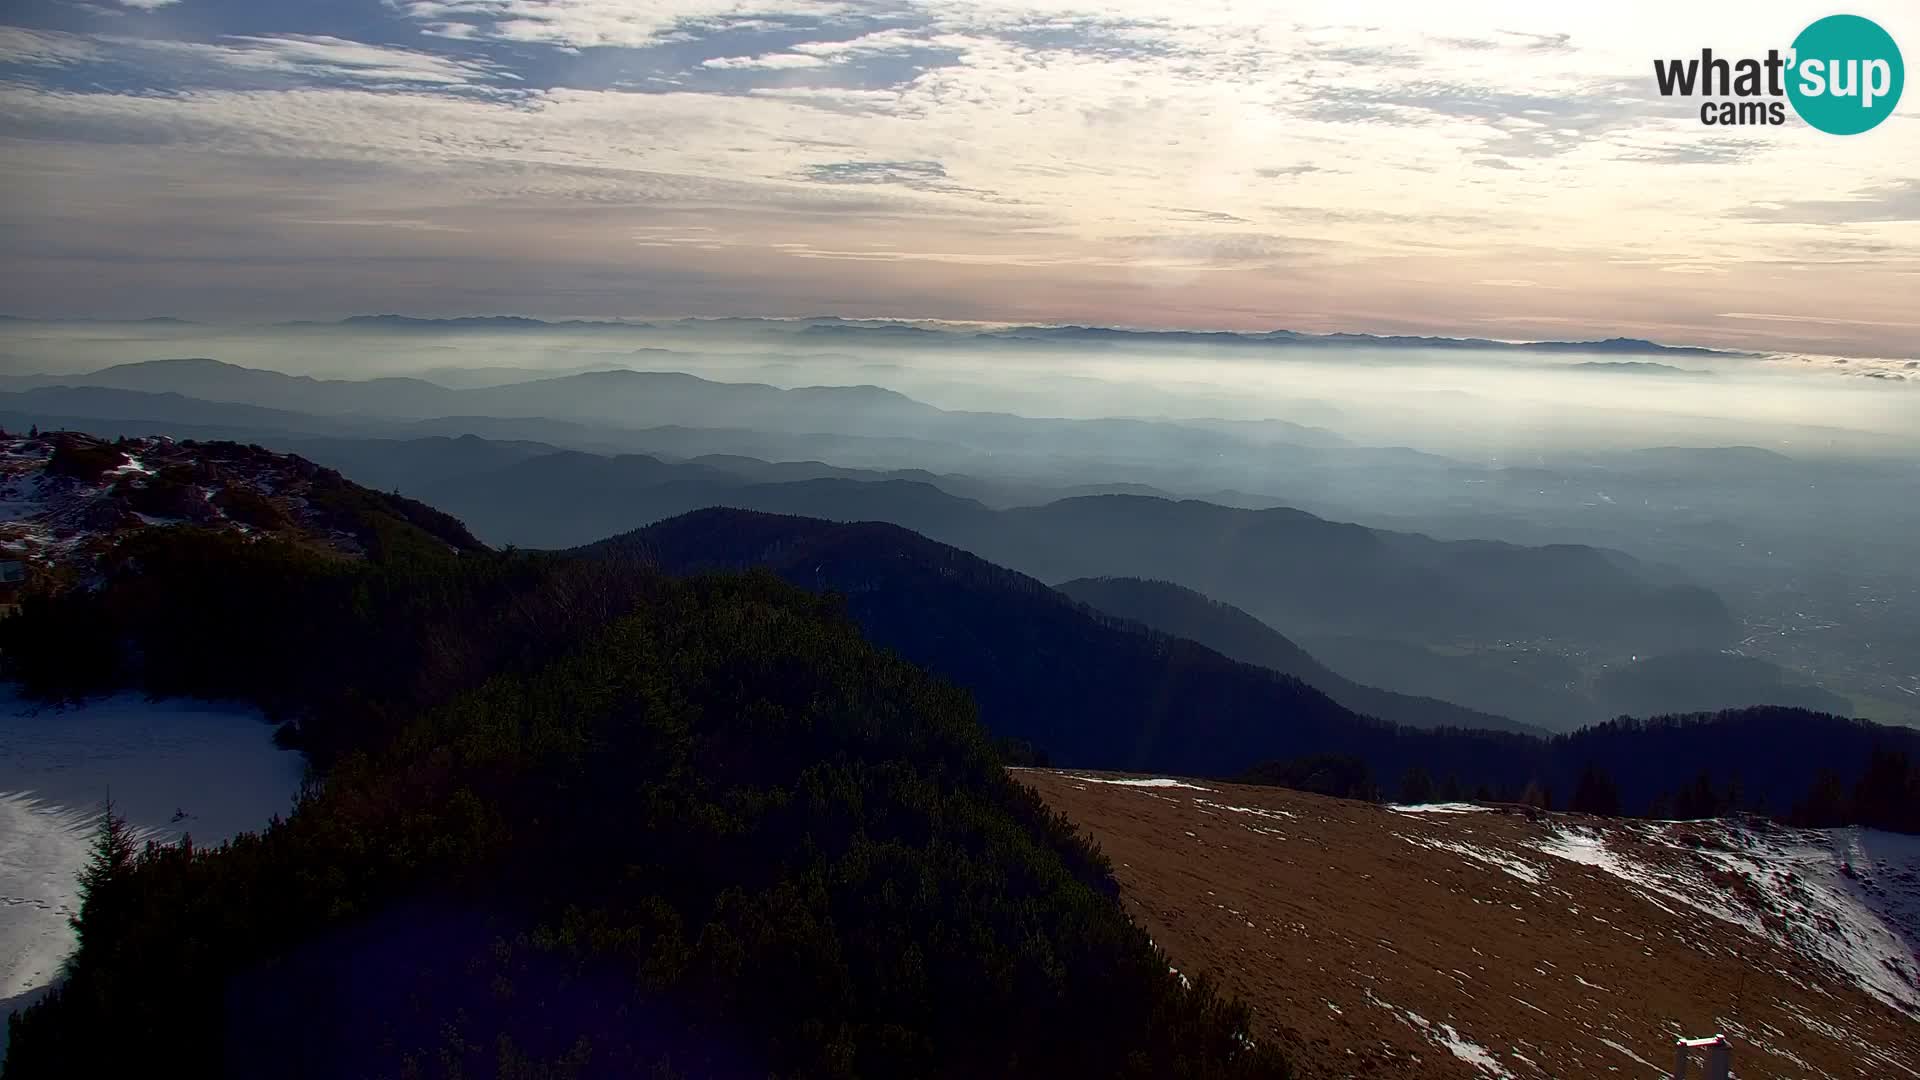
{"x":1463,"y":942}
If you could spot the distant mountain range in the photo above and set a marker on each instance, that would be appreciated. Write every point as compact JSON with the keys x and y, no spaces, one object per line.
{"x":630,"y":400}
{"x":881,"y":331}
{"x":1635,"y":367}
{"x":854,"y":331}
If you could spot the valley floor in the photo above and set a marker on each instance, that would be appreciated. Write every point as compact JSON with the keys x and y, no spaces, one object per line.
{"x":1462,"y":941}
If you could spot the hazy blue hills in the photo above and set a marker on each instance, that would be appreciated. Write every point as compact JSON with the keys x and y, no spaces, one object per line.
{"x":1092,"y":690}
{"x":1635,"y":367}
{"x":1288,"y":567}
{"x":215,"y":380}
{"x":1170,"y":609}
{"x":1044,"y":669}
{"x":623,"y":401}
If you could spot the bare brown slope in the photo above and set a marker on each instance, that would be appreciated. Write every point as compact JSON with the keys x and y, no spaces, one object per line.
{"x":1372,"y":942}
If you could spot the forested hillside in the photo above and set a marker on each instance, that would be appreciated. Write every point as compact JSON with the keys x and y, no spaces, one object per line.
{"x":591,"y":823}
{"x":1232,"y":632}
{"x":1084,"y":689}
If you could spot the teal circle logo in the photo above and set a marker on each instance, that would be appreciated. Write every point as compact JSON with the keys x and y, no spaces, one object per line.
{"x":1847,"y":75}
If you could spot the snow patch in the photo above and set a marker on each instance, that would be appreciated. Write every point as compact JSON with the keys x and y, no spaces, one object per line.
{"x":1848,"y":897}
{"x":172,"y":768}
{"x":1154,"y":783}
{"x":1501,"y":861}
{"x":1610,"y":1044}
{"x":1256,"y":811}
{"x":1472,"y":1053}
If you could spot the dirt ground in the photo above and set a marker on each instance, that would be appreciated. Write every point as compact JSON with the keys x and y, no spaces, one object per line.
{"x":1375,"y":942}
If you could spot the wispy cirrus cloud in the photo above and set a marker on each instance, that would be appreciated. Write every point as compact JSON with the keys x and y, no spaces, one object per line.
{"x":601,"y":23}
{"x":314,"y":57}
{"x":320,"y":56}
{"x":1897,"y":200}
{"x":768,"y":61}
{"x":43,"y":49}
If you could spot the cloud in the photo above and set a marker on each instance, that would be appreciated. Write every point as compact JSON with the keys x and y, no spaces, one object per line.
{"x":877,"y":172}
{"x":315,"y":57}
{"x":602,"y":23}
{"x":1204,"y":215}
{"x":882,"y":41}
{"x":322,"y":57}
{"x":1548,"y":43}
{"x":1388,"y":56}
{"x":769,"y":61}
{"x":917,"y":175}
{"x":1703,"y":151}
{"x":1530,"y":123}
{"x":1894,"y":201}
{"x":147,"y":5}
{"x":1821,"y":319}
{"x":36,"y":48}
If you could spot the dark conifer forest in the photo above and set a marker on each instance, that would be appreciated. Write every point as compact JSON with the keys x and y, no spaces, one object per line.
{"x":580,"y":820}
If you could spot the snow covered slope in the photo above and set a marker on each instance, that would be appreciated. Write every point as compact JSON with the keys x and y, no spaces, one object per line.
{"x":172,"y":768}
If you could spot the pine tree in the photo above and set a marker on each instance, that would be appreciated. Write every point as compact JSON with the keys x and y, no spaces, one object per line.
{"x":1416,"y":786}
{"x":1881,"y":797}
{"x":1596,"y":793}
{"x":1536,"y":796}
{"x":1697,"y":800}
{"x":106,"y":870}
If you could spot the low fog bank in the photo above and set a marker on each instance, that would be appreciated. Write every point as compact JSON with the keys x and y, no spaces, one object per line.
{"x":1505,"y":406}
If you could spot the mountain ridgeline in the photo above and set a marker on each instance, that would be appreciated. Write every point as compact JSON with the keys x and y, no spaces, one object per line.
{"x":1094,"y":690}
{"x":1286,"y":567}
{"x":1226,"y":629}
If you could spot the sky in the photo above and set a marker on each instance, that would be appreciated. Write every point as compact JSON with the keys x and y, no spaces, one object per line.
{"x":1484,"y":167}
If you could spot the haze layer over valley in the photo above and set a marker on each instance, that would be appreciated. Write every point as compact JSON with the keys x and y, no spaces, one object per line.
{"x":1781,"y":490}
